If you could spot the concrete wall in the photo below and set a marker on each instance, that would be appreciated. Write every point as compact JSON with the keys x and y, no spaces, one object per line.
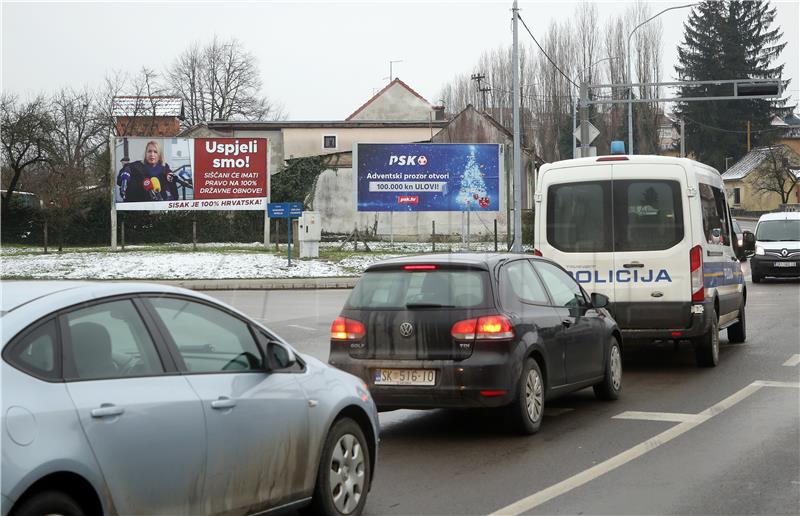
{"x":307,"y":141}
{"x":335,"y":199}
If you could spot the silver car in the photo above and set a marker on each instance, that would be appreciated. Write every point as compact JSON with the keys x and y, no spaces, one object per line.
{"x":147,"y":399}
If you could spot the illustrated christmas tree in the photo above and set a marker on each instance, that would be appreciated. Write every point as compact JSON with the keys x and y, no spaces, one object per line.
{"x":473,"y":187}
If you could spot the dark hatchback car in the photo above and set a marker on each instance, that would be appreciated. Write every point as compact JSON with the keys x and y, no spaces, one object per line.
{"x":476,"y":330}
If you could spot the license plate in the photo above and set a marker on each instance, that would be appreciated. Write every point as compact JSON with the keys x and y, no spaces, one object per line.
{"x":785,"y":264}
{"x":405,"y":377}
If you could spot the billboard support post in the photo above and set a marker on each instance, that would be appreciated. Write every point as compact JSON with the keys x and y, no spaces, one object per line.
{"x":468,"y":232}
{"x":289,"y":242}
{"x":112,"y":152}
{"x":266,"y":231}
{"x":194,"y":233}
{"x":123,"y":234}
{"x":391,"y":229}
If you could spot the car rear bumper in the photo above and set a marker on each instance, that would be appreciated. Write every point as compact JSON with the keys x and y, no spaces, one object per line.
{"x":699,"y":323}
{"x":485,"y":381}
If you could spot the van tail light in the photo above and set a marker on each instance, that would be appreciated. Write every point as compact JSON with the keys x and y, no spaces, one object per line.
{"x":489,"y":327}
{"x":346,"y":329}
{"x":537,"y":252}
{"x":696,"y":266}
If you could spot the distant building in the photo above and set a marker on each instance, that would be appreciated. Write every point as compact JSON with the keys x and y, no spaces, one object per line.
{"x":147,"y":116}
{"x":741,"y":176}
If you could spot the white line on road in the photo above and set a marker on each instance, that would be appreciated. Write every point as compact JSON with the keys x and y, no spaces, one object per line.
{"x":793,"y":361}
{"x":656,"y":416}
{"x":637,"y":451}
{"x":301,"y":327}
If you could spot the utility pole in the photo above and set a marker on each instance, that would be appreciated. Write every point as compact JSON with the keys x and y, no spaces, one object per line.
{"x":683,"y":139}
{"x":584,"y":119}
{"x":748,"y":136}
{"x":517,"y":247}
{"x":478,"y":77}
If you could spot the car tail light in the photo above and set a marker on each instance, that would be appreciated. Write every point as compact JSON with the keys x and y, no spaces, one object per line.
{"x":347,"y":329}
{"x":696,"y":267}
{"x":490,"y":327}
{"x":420,"y":267}
{"x":464,"y":330}
{"x":537,"y":252}
{"x":613,"y":158}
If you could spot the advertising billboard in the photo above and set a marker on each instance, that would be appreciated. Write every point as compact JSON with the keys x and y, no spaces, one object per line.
{"x":177,"y":174}
{"x":427,"y":176}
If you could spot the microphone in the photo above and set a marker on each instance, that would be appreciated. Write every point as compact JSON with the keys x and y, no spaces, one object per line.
{"x":149,"y":185}
{"x":122,"y":180}
{"x":171,"y":176}
{"x":156,"y":184}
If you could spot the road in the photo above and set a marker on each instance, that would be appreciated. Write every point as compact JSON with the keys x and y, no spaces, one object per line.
{"x":681,"y":440}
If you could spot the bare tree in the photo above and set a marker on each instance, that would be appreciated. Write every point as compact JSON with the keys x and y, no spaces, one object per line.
{"x":24,"y":131}
{"x":220,"y":81}
{"x":779,"y":173}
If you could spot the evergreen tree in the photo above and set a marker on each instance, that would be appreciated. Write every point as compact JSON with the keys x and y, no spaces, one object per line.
{"x":725,"y":40}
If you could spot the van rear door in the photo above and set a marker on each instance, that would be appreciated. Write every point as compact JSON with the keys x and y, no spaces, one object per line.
{"x":652,"y":236}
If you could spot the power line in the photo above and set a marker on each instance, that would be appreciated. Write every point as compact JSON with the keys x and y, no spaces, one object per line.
{"x":752,"y":131}
{"x":545,"y":53}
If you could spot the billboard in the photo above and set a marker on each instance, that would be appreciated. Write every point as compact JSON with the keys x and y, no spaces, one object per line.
{"x":427,"y":176}
{"x":177,"y":174}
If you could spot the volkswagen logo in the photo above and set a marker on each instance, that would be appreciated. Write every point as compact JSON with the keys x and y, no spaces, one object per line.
{"x":784,"y":252}
{"x":406,"y":329}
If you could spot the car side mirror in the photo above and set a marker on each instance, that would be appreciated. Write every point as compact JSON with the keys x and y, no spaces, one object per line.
{"x":749,"y":241}
{"x":599,"y":300}
{"x":279,"y":356}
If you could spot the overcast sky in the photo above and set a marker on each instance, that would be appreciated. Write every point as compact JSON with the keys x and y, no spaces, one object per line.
{"x":321,"y":60}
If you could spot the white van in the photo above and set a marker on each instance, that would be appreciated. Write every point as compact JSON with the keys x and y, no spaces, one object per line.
{"x":653,"y":233}
{"x":777,"y":247}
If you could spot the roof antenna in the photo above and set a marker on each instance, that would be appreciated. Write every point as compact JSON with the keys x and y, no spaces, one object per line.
{"x":391,"y":63}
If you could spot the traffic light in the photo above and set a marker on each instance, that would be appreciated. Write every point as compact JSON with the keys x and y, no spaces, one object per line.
{"x":758,"y":89}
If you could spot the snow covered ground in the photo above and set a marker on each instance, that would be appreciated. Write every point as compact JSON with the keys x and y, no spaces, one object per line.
{"x":211,"y":261}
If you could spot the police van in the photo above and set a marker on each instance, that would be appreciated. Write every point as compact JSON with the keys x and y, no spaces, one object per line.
{"x":652,"y":233}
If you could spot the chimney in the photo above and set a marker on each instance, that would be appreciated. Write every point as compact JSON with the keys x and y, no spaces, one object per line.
{"x":438,"y":112}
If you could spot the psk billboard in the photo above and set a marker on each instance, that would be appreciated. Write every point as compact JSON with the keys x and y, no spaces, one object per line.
{"x":427,"y":176}
{"x":176,"y":174}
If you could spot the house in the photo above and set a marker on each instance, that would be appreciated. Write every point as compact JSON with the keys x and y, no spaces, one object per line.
{"x":742,"y":178}
{"x":147,"y":116}
{"x":396,"y":114}
{"x":334,"y":196}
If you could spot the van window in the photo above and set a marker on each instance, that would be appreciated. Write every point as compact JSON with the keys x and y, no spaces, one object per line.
{"x":648,"y":215}
{"x":579,"y":217}
{"x":715,"y":223}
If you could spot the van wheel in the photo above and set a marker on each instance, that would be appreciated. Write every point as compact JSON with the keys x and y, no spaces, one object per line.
{"x":527,"y":408}
{"x":611,"y":385}
{"x":738,"y":332}
{"x":50,"y":502}
{"x":706,"y":347}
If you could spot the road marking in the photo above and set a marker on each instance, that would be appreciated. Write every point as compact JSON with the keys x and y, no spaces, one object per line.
{"x":656,"y":416}
{"x":793,"y":361}
{"x":301,"y":327}
{"x":637,"y":451}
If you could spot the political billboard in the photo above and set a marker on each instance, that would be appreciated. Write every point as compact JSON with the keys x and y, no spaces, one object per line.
{"x":178,"y":174}
{"x":427,"y":176}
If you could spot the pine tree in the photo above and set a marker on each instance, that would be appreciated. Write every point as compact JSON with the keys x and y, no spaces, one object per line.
{"x":725,"y":40}
{"x":472,"y":194}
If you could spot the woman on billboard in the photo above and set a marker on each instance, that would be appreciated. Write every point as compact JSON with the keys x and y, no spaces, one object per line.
{"x":149,"y":179}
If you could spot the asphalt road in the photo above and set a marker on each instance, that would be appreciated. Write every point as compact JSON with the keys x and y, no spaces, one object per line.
{"x":681,"y":440}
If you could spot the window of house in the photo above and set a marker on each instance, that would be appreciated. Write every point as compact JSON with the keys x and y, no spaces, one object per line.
{"x":737,"y":196}
{"x":329,"y":141}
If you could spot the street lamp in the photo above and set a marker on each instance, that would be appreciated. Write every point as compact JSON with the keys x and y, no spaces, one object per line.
{"x":575,"y":106}
{"x":630,"y":86}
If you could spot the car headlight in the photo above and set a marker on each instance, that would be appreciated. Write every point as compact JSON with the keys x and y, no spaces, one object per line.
{"x":759,"y":250}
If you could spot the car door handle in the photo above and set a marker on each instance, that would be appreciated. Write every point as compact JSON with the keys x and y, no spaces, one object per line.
{"x":223,"y":403}
{"x":634,"y":265}
{"x":107,"y":410}
{"x":566,"y":323}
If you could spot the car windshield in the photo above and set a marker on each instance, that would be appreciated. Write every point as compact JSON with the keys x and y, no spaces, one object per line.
{"x":420,"y":289}
{"x":778,"y":230}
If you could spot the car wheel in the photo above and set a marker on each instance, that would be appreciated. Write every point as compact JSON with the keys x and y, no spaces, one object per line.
{"x":344,"y":472}
{"x":611,"y":385}
{"x":706,"y":347}
{"x":50,"y":502}
{"x":738,"y":332}
{"x":527,"y":409}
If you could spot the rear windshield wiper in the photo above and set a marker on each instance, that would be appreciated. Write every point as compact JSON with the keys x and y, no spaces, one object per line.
{"x":428,"y":305}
